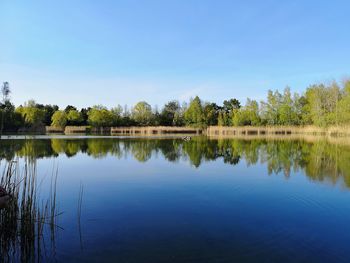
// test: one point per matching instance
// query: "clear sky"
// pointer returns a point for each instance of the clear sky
(119, 52)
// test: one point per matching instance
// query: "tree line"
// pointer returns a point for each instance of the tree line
(321, 104)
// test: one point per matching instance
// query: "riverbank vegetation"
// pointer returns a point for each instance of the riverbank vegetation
(28, 223)
(320, 105)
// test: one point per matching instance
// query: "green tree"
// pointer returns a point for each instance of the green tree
(231, 105)
(100, 116)
(117, 113)
(194, 114)
(169, 112)
(344, 104)
(287, 111)
(221, 120)
(142, 113)
(323, 103)
(210, 112)
(247, 115)
(271, 108)
(59, 119)
(32, 115)
(74, 117)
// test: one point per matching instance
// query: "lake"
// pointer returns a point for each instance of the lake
(202, 200)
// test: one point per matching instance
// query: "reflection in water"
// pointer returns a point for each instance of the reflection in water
(319, 160)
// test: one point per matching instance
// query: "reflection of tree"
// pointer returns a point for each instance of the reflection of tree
(170, 149)
(9, 148)
(142, 150)
(36, 149)
(319, 160)
(99, 148)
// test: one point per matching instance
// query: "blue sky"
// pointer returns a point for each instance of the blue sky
(120, 52)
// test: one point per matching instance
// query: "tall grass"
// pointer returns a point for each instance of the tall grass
(28, 222)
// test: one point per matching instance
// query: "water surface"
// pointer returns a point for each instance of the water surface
(204, 200)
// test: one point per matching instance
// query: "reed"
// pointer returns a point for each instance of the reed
(24, 221)
(278, 130)
(154, 130)
(77, 129)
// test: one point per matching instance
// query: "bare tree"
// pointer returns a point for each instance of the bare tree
(5, 91)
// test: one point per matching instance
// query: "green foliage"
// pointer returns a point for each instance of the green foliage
(231, 105)
(59, 119)
(210, 112)
(32, 115)
(142, 113)
(221, 120)
(74, 117)
(344, 105)
(194, 115)
(323, 104)
(9, 119)
(170, 113)
(100, 116)
(247, 115)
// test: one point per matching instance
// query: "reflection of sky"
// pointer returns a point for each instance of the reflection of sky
(159, 210)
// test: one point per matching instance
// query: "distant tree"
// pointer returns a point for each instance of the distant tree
(194, 114)
(59, 119)
(32, 115)
(169, 112)
(287, 113)
(74, 117)
(210, 112)
(230, 105)
(156, 117)
(69, 108)
(49, 110)
(100, 116)
(323, 103)
(247, 115)
(117, 115)
(221, 120)
(84, 114)
(5, 91)
(271, 108)
(142, 113)
(344, 104)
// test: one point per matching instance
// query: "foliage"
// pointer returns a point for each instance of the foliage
(170, 113)
(74, 117)
(31, 114)
(100, 116)
(59, 119)
(321, 104)
(194, 115)
(142, 113)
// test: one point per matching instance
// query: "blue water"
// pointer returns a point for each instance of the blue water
(157, 210)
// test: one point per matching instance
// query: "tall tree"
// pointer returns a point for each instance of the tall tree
(142, 113)
(210, 113)
(194, 114)
(59, 119)
(170, 110)
(100, 116)
(74, 117)
(32, 115)
(5, 91)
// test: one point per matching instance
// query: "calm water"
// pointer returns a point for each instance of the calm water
(167, 200)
